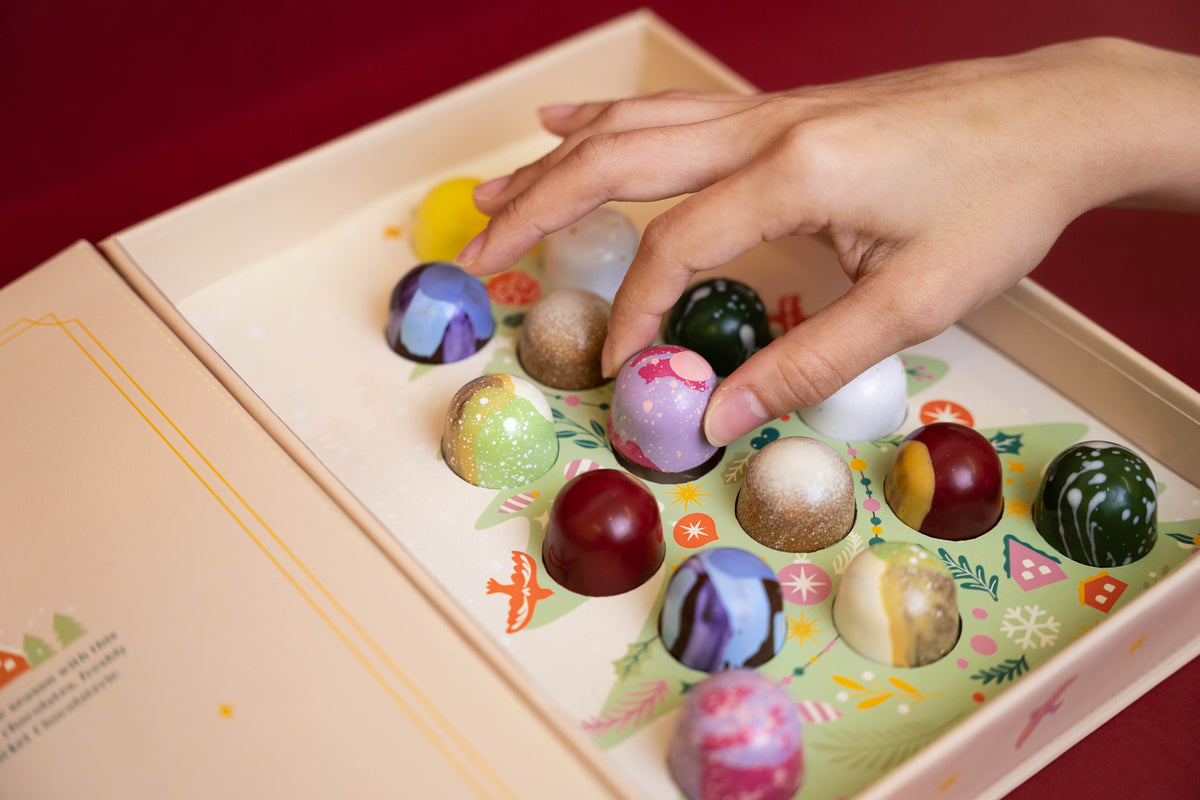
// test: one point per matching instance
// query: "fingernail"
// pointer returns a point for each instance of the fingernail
(606, 365)
(737, 414)
(489, 189)
(558, 110)
(468, 254)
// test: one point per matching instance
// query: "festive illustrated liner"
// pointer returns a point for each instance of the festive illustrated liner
(300, 320)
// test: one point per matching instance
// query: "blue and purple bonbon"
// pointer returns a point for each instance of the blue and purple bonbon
(439, 314)
(723, 609)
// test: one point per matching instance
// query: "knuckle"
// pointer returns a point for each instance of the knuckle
(596, 150)
(816, 152)
(660, 243)
(806, 377)
(594, 158)
(619, 113)
(919, 324)
(661, 269)
(536, 168)
(518, 211)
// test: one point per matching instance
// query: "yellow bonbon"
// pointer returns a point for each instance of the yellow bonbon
(446, 220)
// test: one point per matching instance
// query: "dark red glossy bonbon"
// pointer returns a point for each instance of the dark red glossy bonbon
(946, 482)
(604, 536)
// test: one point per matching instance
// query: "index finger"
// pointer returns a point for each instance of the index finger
(709, 229)
(640, 165)
(576, 123)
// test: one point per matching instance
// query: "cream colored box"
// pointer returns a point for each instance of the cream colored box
(248, 574)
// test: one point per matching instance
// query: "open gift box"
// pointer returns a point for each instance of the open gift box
(232, 452)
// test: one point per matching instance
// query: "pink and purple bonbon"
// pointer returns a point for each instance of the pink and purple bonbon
(738, 736)
(656, 419)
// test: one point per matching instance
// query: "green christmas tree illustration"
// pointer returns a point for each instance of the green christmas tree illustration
(67, 629)
(36, 650)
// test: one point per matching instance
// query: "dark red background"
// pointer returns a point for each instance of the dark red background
(111, 112)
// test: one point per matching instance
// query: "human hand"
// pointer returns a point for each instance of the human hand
(937, 187)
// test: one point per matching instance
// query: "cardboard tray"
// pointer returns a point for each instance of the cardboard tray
(301, 254)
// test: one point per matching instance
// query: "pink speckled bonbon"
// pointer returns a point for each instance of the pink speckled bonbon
(738, 736)
(657, 412)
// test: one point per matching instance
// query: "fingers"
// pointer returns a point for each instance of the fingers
(760, 202)
(887, 311)
(566, 118)
(576, 123)
(640, 165)
(664, 108)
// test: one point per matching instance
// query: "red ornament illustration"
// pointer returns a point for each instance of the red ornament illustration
(514, 288)
(945, 411)
(695, 530)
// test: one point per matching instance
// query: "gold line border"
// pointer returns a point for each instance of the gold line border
(25, 324)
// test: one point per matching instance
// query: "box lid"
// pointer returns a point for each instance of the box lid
(186, 611)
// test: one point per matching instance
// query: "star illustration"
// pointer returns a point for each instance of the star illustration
(694, 530)
(1137, 645)
(948, 783)
(1016, 507)
(803, 629)
(945, 414)
(687, 493)
(1083, 629)
(801, 582)
(1007, 442)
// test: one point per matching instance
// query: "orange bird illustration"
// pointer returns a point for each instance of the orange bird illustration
(523, 593)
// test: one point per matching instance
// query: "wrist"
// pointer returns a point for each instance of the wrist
(1138, 140)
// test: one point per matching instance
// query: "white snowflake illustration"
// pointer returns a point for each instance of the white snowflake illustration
(1025, 626)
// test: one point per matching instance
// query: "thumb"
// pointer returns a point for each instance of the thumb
(883, 313)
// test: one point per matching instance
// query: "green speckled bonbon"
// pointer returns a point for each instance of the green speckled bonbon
(1098, 505)
(499, 432)
(721, 319)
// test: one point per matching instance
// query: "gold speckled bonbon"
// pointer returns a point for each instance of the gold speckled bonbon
(897, 605)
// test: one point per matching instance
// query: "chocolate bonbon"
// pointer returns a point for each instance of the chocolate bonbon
(739, 735)
(946, 482)
(1098, 504)
(655, 422)
(499, 432)
(798, 496)
(723, 609)
(446, 219)
(604, 535)
(561, 339)
(721, 319)
(594, 253)
(897, 605)
(439, 314)
(870, 407)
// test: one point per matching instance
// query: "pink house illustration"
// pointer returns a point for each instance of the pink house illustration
(12, 664)
(1101, 591)
(1028, 566)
